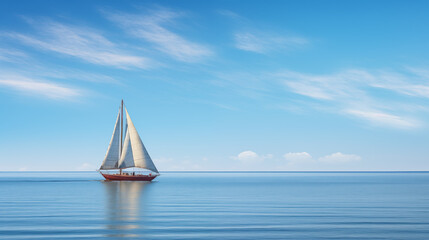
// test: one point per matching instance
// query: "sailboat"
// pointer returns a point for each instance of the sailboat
(124, 154)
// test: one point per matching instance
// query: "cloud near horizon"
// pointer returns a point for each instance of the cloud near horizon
(250, 156)
(296, 158)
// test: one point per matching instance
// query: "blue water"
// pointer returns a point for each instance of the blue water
(79, 205)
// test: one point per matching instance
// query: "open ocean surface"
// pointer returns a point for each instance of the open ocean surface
(217, 205)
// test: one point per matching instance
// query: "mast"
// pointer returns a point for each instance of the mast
(122, 121)
(122, 129)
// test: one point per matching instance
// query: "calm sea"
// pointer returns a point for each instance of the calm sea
(221, 205)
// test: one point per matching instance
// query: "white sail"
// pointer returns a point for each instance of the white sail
(134, 152)
(127, 159)
(112, 155)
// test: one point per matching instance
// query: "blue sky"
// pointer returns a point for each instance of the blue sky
(217, 85)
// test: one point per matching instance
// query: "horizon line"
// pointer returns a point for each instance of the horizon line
(245, 171)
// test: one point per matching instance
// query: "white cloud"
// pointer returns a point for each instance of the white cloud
(297, 156)
(152, 28)
(39, 87)
(250, 156)
(247, 156)
(337, 158)
(265, 42)
(83, 43)
(299, 160)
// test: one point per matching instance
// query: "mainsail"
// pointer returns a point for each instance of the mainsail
(112, 155)
(133, 152)
(126, 160)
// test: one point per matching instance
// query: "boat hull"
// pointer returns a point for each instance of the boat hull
(117, 177)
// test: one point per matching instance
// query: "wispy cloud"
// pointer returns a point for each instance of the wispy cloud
(38, 87)
(416, 85)
(10, 55)
(384, 118)
(355, 93)
(32, 77)
(325, 87)
(248, 36)
(152, 27)
(230, 14)
(80, 42)
(73, 75)
(264, 42)
(381, 98)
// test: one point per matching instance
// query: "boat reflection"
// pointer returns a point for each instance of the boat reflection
(123, 207)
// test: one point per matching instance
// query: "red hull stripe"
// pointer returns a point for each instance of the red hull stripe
(114, 177)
